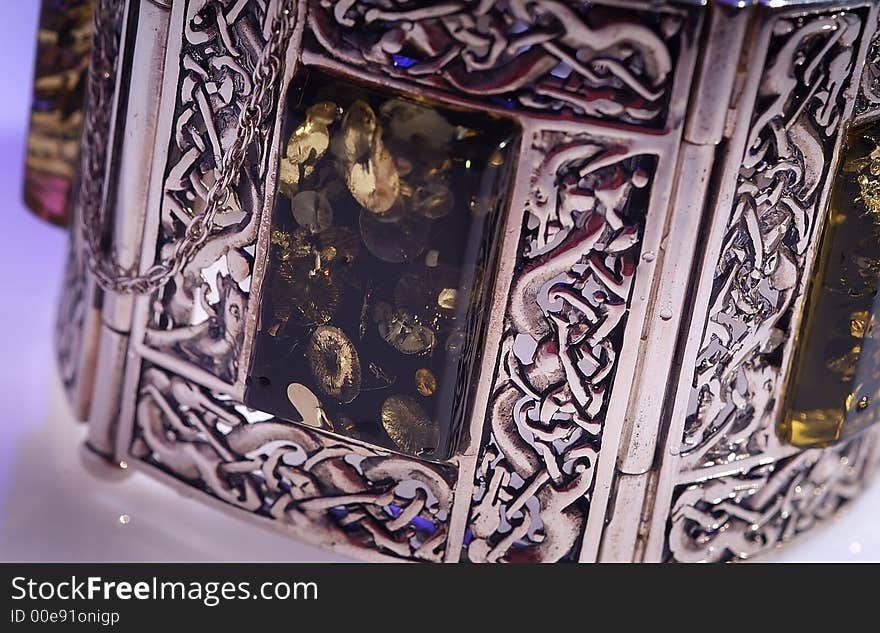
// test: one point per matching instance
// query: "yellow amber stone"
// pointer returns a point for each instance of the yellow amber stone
(835, 377)
(64, 46)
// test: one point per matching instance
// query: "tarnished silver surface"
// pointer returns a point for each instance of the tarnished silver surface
(78, 323)
(653, 259)
(563, 333)
(331, 491)
(738, 516)
(779, 197)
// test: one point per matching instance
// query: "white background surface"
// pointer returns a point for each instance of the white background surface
(51, 509)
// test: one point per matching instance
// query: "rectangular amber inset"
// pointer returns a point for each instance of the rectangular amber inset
(833, 392)
(64, 46)
(374, 296)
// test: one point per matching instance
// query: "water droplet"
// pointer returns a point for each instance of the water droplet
(123, 465)
(124, 519)
(665, 314)
(649, 256)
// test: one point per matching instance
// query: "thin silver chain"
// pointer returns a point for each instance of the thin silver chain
(106, 269)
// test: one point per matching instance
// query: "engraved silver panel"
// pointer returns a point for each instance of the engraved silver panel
(777, 206)
(546, 57)
(740, 516)
(320, 487)
(563, 331)
(78, 321)
(200, 317)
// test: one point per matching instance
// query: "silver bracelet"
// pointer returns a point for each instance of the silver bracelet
(483, 281)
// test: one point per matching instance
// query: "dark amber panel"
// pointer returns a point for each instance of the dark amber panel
(374, 296)
(834, 392)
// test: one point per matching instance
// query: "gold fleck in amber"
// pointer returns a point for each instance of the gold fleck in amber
(306, 146)
(402, 331)
(835, 373)
(311, 139)
(408, 425)
(426, 383)
(446, 298)
(335, 364)
(433, 200)
(311, 210)
(417, 125)
(288, 178)
(374, 182)
(359, 131)
(455, 342)
(308, 405)
(870, 192)
(299, 293)
(308, 143)
(323, 113)
(394, 242)
(339, 244)
(858, 323)
(345, 425)
(844, 364)
(439, 168)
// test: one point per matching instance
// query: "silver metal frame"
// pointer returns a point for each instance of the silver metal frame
(605, 459)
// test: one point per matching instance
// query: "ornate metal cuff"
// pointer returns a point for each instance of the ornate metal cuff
(488, 281)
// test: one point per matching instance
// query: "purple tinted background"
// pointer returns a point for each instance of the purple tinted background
(50, 507)
(31, 252)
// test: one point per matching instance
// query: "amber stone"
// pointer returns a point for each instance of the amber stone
(382, 249)
(63, 49)
(834, 392)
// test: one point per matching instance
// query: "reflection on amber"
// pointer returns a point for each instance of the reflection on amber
(836, 371)
(375, 286)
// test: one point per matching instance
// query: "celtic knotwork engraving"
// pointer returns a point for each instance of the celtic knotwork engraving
(302, 478)
(564, 330)
(869, 88)
(70, 318)
(739, 516)
(780, 188)
(544, 56)
(200, 315)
